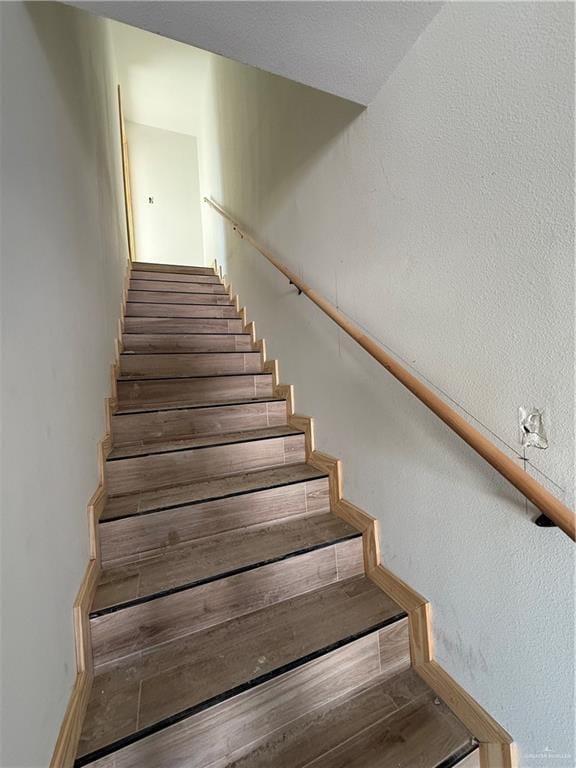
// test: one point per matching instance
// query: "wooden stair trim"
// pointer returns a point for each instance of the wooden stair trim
(68, 737)
(497, 748)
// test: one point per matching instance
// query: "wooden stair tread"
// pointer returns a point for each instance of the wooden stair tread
(151, 266)
(393, 722)
(146, 448)
(192, 390)
(152, 533)
(136, 366)
(187, 342)
(205, 311)
(379, 711)
(203, 490)
(172, 286)
(153, 277)
(140, 296)
(213, 556)
(182, 325)
(158, 407)
(175, 679)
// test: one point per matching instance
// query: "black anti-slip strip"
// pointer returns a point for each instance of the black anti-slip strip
(180, 293)
(177, 377)
(185, 714)
(180, 333)
(457, 756)
(188, 293)
(223, 575)
(187, 378)
(184, 333)
(192, 275)
(175, 269)
(193, 502)
(183, 303)
(209, 445)
(181, 317)
(199, 407)
(186, 304)
(197, 352)
(132, 352)
(171, 280)
(177, 282)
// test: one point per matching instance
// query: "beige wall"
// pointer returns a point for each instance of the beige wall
(63, 255)
(440, 218)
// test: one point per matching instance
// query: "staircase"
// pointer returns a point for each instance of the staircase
(233, 624)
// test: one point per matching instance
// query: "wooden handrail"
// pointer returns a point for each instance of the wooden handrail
(546, 502)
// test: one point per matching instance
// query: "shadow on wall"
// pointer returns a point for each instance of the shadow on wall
(263, 165)
(86, 109)
(48, 19)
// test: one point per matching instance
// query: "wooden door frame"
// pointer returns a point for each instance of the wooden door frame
(126, 181)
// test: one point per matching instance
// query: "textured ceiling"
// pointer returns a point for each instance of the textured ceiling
(345, 48)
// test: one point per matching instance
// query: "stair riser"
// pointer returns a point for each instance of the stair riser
(165, 297)
(180, 326)
(206, 342)
(271, 706)
(165, 425)
(143, 626)
(125, 539)
(138, 309)
(177, 287)
(176, 277)
(148, 472)
(150, 269)
(202, 390)
(141, 366)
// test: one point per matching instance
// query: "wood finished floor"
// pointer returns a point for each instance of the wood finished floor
(233, 624)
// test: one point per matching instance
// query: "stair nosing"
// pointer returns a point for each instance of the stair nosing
(223, 575)
(206, 376)
(180, 333)
(224, 404)
(237, 316)
(321, 475)
(185, 293)
(181, 303)
(164, 723)
(136, 266)
(293, 433)
(176, 282)
(209, 333)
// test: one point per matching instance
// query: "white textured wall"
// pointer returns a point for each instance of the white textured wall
(164, 166)
(441, 219)
(63, 258)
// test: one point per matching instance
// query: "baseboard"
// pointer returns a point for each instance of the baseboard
(69, 734)
(497, 749)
